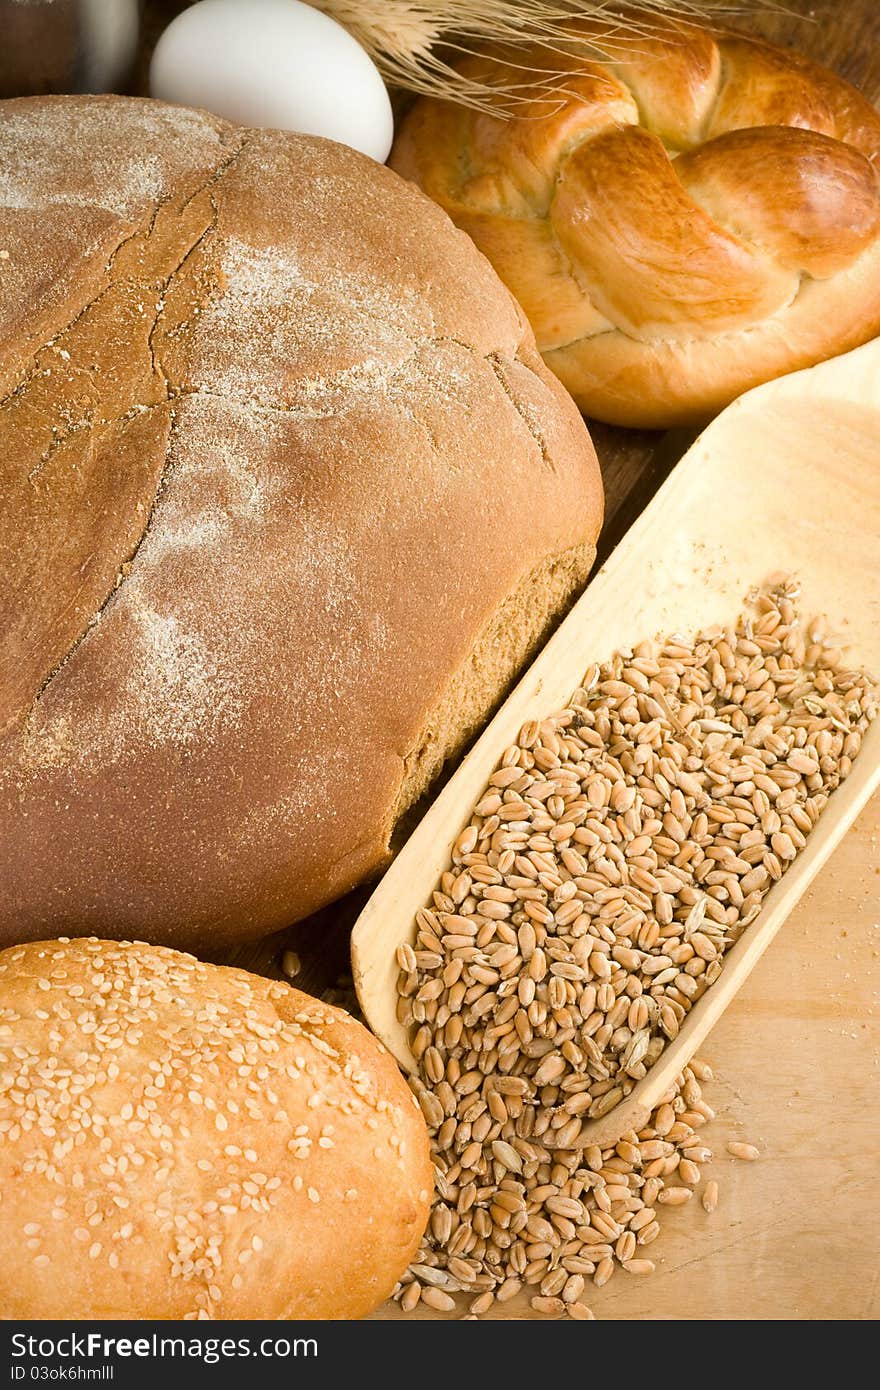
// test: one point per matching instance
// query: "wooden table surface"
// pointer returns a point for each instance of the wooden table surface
(796, 1057)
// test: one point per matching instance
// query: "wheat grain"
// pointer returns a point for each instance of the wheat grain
(748, 1152)
(290, 964)
(437, 1299)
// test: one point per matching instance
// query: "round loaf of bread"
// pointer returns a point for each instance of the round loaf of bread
(692, 217)
(181, 1140)
(287, 496)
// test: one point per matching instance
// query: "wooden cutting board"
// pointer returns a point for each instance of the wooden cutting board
(797, 1055)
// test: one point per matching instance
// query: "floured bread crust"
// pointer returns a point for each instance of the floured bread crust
(276, 447)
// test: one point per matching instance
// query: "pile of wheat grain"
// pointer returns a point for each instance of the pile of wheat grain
(618, 851)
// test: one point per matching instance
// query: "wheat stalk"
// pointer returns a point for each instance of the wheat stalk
(414, 42)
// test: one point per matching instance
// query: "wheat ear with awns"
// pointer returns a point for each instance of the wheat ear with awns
(415, 44)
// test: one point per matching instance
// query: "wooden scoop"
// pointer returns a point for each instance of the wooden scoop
(786, 479)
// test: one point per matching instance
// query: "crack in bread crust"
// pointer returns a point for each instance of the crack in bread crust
(143, 233)
(144, 230)
(174, 393)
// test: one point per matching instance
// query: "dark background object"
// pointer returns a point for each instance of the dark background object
(67, 45)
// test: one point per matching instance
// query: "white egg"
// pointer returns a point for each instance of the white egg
(274, 63)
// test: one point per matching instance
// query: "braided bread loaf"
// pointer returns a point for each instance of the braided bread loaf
(698, 215)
